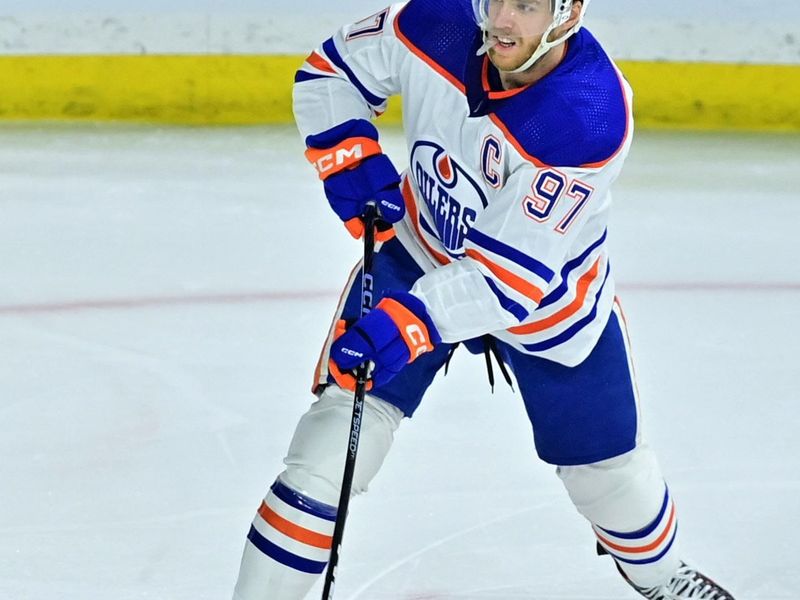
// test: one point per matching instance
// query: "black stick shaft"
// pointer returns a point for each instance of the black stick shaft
(362, 374)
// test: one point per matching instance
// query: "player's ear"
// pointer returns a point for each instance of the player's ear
(577, 6)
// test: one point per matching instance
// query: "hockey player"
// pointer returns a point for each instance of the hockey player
(517, 124)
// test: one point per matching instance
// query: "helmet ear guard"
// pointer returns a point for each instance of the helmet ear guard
(562, 12)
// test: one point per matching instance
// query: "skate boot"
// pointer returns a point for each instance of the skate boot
(686, 583)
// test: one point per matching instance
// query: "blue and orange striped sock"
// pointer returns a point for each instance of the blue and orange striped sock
(287, 547)
(647, 556)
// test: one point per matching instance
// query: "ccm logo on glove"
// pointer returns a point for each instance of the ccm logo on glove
(416, 339)
(354, 172)
(347, 154)
(352, 353)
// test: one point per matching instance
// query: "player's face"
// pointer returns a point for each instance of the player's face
(516, 27)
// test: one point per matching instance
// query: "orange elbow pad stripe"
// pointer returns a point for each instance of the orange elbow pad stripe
(582, 289)
(526, 288)
(412, 328)
(346, 155)
(316, 61)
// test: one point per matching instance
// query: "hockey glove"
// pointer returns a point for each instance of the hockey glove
(354, 171)
(393, 334)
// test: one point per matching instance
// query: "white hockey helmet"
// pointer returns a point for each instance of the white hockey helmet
(561, 9)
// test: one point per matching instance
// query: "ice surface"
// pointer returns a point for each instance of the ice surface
(163, 296)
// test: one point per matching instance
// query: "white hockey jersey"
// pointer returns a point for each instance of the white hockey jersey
(507, 192)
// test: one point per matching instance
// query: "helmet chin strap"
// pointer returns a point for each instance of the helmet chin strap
(544, 46)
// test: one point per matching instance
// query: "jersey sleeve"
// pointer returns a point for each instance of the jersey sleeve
(351, 75)
(515, 249)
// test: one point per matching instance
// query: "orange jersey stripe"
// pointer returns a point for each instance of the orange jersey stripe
(595, 165)
(618, 304)
(422, 56)
(514, 142)
(411, 206)
(289, 529)
(332, 330)
(641, 549)
(498, 95)
(565, 313)
(495, 95)
(526, 288)
(316, 61)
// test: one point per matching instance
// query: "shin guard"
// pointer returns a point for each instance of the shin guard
(631, 511)
(287, 547)
(289, 542)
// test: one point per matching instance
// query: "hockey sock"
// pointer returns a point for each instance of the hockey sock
(287, 547)
(631, 512)
(289, 542)
(644, 555)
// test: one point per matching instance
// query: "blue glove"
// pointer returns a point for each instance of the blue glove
(355, 171)
(393, 334)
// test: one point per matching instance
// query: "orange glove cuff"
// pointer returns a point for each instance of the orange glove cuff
(413, 329)
(345, 380)
(355, 227)
(345, 155)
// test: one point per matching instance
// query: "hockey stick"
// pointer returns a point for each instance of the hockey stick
(370, 217)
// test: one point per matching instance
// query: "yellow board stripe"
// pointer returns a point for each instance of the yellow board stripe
(185, 89)
(246, 89)
(715, 96)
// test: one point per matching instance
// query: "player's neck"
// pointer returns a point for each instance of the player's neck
(540, 68)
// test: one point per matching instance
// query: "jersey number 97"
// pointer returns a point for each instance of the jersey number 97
(547, 190)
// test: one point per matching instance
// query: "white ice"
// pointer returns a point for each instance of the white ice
(163, 297)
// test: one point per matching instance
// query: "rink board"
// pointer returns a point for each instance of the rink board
(256, 89)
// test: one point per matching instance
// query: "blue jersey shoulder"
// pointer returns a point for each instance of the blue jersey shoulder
(442, 30)
(577, 115)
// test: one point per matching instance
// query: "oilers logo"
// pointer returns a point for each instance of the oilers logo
(451, 195)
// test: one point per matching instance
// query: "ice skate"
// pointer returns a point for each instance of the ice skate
(686, 583)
